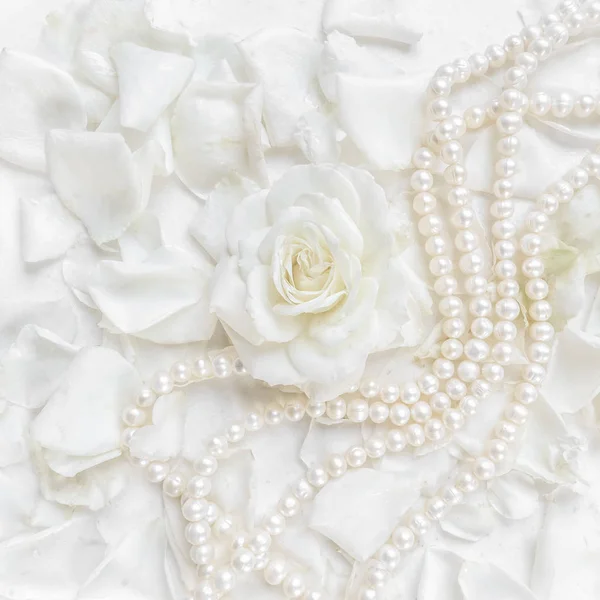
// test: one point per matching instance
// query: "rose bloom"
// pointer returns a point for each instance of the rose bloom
(313, 283)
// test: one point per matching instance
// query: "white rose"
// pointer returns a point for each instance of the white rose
(311, 286)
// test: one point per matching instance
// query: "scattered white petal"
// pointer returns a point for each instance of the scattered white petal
(149, 81)
(14, 434)
(82, 418)
(317, 137)
(372, 19)
(323, 440)
(514, 495)
(284, 61)
(212, 132)
(379, 498)
(164, 299)
(381, 116)
(468, 522)
(35, 365)
(98, 179)
(481, 581)
(48, 230)
(439, 576)
(143, 237)
(51, 564)
(35, 97)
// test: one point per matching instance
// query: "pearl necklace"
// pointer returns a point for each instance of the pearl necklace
(473, 353)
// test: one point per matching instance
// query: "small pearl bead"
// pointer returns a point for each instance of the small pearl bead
(420, 524)
(476, 350)
(423, 158)
(479, 64)
(424, 203)
(496, 55)
(516, 413)
(531, 244)
(377, 575)
(467, 371)
(451, 349)
(212, 512)
(242, 561)
(508, 288)
(434, 430)
(194, 509)
(505, 331)
(379, 412)
(202, 368)
(467, 482)
(197, 533)
(317, 476)
(508, 146)
(510, 123)
(453, 419)
(577, 178)
(443, 368)
(421, 180)
(562, 105)
(336, 409)
(591, 163)
(453, 328)
(526, 393)
(539, 352)
(273, 414)
(439, 402)
(476, 285)
(356, 456)
(140, 463)
(174, 485)
(146, 397)
(289, 506)
(502, 353)
(254, 421)
(452, 152)
(540, 310)
(428, 384)
(403, 538)
(584, 106)
(456, 389)
(367, 593)
(439, 108)
(415, 435)
(223, 527)
(440, 265)
(463, 217)
(533, 267)
(468, 405)
(466, 241)
(218, 446)
(157, 471)
(205, 591)
(199, 487)
(225, 580)
(506, 431)
(316, 409)
(399, 414)
(358, 410)
(206, 466)
(222, 366)
(541, 331)
(493, 372)
(303, 490)
(276, 570)
(480, 389)
(430, 225)
(536, 289)
(235, 433)
(496, 450)
(484, 469)
(294, 586)
(411, 392)
(133, 416)
(395, 440)
(451, 495)
(390, 393)
(369, 389)
(504, 249)
(435, 246)
(336, 465)
(375, 446)
(527, 61)
(389, 556)
(435, 508)
(534, 373)
(294, 411)
(482, 327)
(508, 309)
(421, 412)
(274, 523)
(181, 373)
(458, 196)
(162, 383)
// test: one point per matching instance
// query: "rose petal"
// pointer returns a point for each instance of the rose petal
(47, 229)
(96, 177)
(371, 20)
(82, 417)
(468, 522)
(164, 299)
(284, 61)
(149, 81)
(439, 576)
(381, 116)
(317, 137)
(14, 434)
(480, 581)
(380, 498)
(35, 365)
(514, 495)
(142, 239)
(212, 131)
(51, 564)
(35, 97)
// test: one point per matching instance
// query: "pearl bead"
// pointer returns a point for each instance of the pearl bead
(503, 208)
(377, 575)
(480, 389)
(504, 249)
(420, 524)
(157, 471)
(356, 456)
(453, 328)
(225, 580)
(316, 409)
(294, 586)
(508, 288)
(514, 45)
(536, 289)
(235, 433)
(146, 397)
(504, 229)
(508, 309)
(527, 61)
(525, 392)
(516, 413)
(415, 435)
(533, 267)
(531, 244)
(508, 146)
(463, 217)
(440, 265)
(395, 440)
(562, 105)
(468, 405)
(435, 246)
(466, 241)
(430, 225)
(162, 383)
(424, 203)
(199, 487)
(367, 593)
(516, 77)
(479, 64)
(440, 86)
(358, 410)
(428, 384)
(496, 55)
(456, 389)
(274, 523)
(276, 570)
(434, 430)
(539, 352)
(218, 446)
(403, 538)
(445, 285)
(453, 419)
(254, 421)
(336, 465)
(451, 349)
(212, 512)
(584, 106)
(421, 412)
(174, 485)
(505, 331)
(423, 158)
(467, 482)
(591, 163)
(482, 327)
(399, 414)
(505, 269)
(541, 331)
(133, 416)
(273, 414)
(439, 108)
(390, 393)
(389, 556)
(302, 490)
(476, 350)
(205, 591)
(411, 392)
(294, 411)
(493, 372)
(289, 506)
(379, 412)
(206, 466)
(510, 123)
(471, 263)
(484, 469)
(181, 373)
(467, 371)
(197, 533)
(476, 285)
(141, 463)
(202, 368)
(577, 178)
(502, 353)
(458, 196)
(421, 180)
(506, 431)
(194, 509)
(242, 561)
(540, 310)
(443, 368)
(375, 446)
(223, 526)
(496, 450)
(439, 402)
(317, 476)
(336, 409)
(435, 508)
(451, 495)
(369, 389)
(506, 167)
(452, 152)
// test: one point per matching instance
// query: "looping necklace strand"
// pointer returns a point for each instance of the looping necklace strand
(478, 327)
